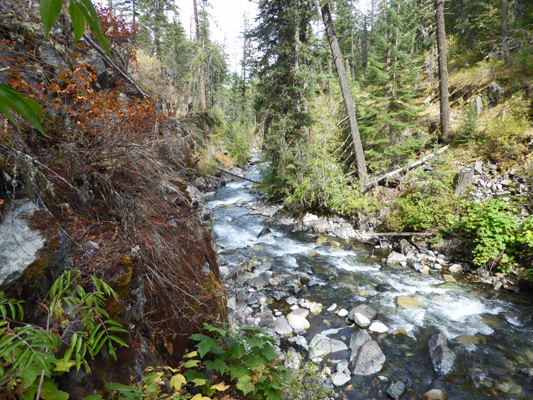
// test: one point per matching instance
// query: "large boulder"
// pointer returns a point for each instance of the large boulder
(362, 315)
(19, 243)
(442, 357)
(367, 357)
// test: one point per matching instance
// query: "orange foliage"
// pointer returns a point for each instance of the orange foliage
(118, 31)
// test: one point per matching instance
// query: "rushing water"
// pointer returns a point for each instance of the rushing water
(490, 332)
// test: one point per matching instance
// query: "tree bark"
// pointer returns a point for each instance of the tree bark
(200, 45)
(443, 74)
(346, 92)
(505, 8)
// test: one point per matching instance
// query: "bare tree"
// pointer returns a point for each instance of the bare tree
(443, 73)
(346, 92)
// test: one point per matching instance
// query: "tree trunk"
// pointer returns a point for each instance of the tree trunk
(346, 93)
(443, 73)
(365, 46)
(200, 45)
(505, 7)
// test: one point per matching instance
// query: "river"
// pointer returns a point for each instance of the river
(490, 332)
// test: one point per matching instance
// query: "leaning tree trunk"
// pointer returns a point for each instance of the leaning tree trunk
(346, 93)
(443, 74)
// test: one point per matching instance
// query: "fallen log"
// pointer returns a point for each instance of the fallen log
(229, 173)
(376, 181)
(400, 234)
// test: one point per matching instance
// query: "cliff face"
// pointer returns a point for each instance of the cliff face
(108, 187)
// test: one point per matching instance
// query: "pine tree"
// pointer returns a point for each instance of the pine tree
(390, 110)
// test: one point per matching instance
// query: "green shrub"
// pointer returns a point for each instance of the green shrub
(523, 61)
(78, 326)
(245, 360)
(469, 127)
(493, 224)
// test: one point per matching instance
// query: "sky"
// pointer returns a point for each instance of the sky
(227, 24)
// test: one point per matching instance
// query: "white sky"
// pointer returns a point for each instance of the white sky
(227, 23)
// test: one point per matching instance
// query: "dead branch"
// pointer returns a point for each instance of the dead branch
(376, 181)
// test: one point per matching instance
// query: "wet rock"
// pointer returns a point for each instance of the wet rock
(467, 340)
(316, 308)
(320, 346)
(442, 357)
(405, 247)
(265, 231)
(396, 258)
(297, 319)
(300, 342)
(368, 359)
(19, 244)
(260, 282)
(384, 287)
(282, 327)
(340, 379)
(527, 373)
(378, 327)
(342, 313)
(332, 307)
(408, 302)
(337, 345)
(448, 278)
(362, 315)
(434, 394)
(343, 366)
(266, 319)
(396, 390)
(455, 269)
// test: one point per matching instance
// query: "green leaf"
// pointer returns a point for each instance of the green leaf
(177, 381)
(216, 365)
(191, 354)
(245, 384)
(117, 340)
(29, 375)
(50, 10)
(91, 16)
(93, 397)
(112, 351)
(51, 392)
(199, 381)
(27, 108)
(78, 22)
(191, 363)
(206, 345)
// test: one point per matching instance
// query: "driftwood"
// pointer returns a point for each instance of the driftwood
(114, 66)
(388, 175)
(401, 234)
(229, 173)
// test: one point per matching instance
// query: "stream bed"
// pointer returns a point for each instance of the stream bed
(490, 332)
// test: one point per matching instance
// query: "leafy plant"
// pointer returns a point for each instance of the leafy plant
(247, 361)
(77, 323)
(164, 383)
(494, 227)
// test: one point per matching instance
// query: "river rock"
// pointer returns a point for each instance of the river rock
(340, 379)
(265, 231)
(260, 282)
(434, 394)
(343, 366)
(448, 278)
(455, 269)
(19, 244)
(408, 302)
(396, 390)
(321, 347)
(442, 357)
(316, 308)
(396, 258)
(282, 327)
(337, 345)
(292, 360)
(369, 359)
(342, 313)
(362, 315)
(378, 327)
(297, 319)
(300, 342)
(266, 319)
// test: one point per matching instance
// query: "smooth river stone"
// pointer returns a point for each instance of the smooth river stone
(408, 302)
